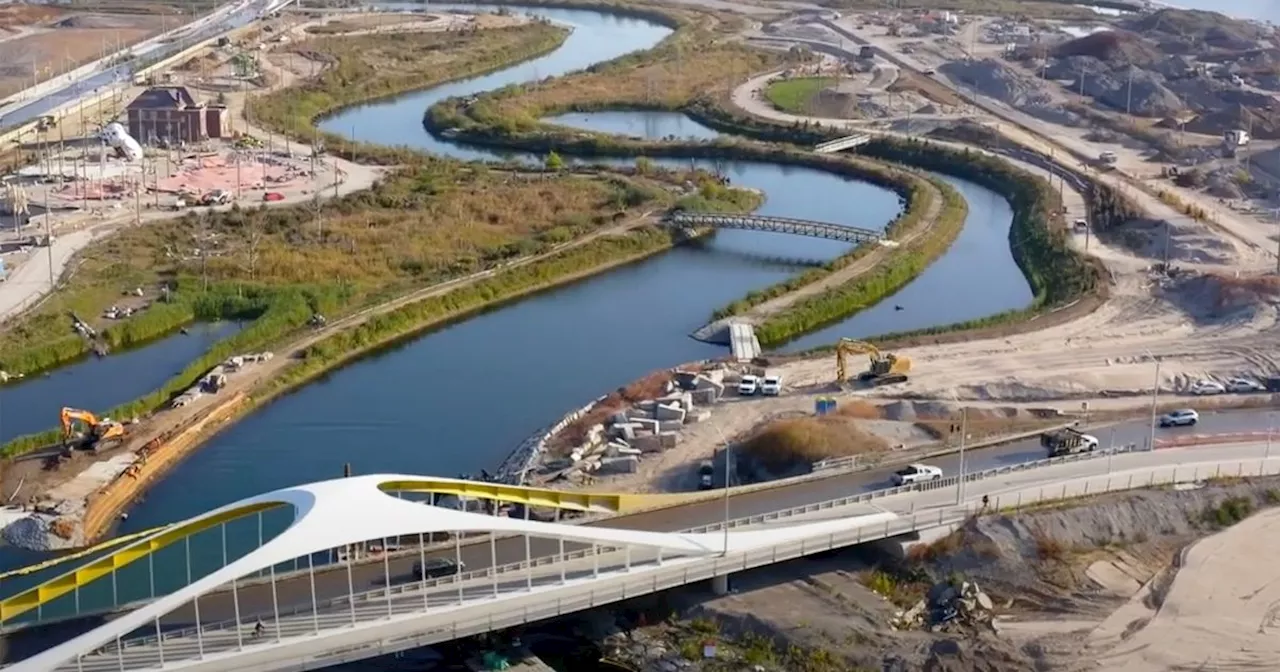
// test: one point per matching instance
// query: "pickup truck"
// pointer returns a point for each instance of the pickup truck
(1068, 441)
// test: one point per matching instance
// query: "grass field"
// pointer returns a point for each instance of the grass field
(795, 95)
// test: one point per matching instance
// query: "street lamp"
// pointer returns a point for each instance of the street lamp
(1155, 396)
(964, 432)
(728, 465)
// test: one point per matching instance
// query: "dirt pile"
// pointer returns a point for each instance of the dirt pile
(1191, 31)
(1046, 559)
(993, 78)
(1216, 299)
(791, 445)
(1111, 46)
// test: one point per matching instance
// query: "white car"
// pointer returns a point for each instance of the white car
(748, 386)
(916, 473)
(1244, 385)
(1206, 387)
(1182, 418)
(771, 386)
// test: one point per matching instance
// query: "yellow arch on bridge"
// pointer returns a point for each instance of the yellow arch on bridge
(592, 502)
(34, 597)
(58, 586)
(110, 543)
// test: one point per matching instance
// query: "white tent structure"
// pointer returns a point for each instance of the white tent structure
(115, 135)
(336, 513)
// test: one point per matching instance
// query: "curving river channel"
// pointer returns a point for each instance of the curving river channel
(460, 398)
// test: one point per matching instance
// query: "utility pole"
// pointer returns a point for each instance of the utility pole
(1128, 100)
(1155, 396)
(48, 233)
(964, 432)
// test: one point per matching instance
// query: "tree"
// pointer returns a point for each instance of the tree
(554, 162)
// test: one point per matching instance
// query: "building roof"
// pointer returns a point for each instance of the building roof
(163, 98)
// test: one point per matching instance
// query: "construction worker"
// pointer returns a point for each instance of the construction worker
(986, 501)
(258, 629)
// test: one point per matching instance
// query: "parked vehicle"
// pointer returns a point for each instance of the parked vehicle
(771, 386)
(1181, 418)
(1244, 385)
(1207, 387)
(706, 474)
(916, 473)
(749, 385)
(1068, 441)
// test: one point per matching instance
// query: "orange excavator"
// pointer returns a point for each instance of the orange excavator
(96, 434)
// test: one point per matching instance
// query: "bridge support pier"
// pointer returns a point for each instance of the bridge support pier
(720, 584)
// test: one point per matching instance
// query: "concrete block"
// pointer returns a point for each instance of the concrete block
(686, 380)
(714, 375)
(669, 412)
(648, 405)
(706, 397)
(697, 416)
(639, 414)
(619, 417)
(558, 464)
(670, 426)
(669, 439)
(648, 444)
(686, 401)
(625, 431)
(595, 434)
(628, 451)
(626, 464)
(708, 384)
(646, 425)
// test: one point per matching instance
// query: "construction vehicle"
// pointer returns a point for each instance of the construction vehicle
(97, 434)
(1068, 441)
(886, 368)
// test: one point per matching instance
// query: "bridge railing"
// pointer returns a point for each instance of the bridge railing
(620, 585)
(544, 561)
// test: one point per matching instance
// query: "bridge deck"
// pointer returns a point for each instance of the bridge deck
(743, 341)
(800, 227)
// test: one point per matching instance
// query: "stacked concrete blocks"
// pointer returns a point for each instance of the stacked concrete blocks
(650, 426)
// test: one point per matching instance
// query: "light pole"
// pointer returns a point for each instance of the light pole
(1270, 424)
(964, 432)
(728, 464)
(1155, 396)
(1111, 452)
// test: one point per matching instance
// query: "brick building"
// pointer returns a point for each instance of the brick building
(171, 114)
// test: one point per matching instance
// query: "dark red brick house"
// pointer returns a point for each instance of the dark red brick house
(170, 114)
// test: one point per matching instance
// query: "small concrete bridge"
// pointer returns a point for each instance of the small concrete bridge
(841, 144)
(799, 227)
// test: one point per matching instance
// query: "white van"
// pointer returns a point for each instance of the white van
(748, 386)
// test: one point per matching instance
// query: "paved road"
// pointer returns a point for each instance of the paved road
(225, 20)
(329, 584)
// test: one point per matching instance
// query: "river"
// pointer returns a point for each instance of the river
(459, 398)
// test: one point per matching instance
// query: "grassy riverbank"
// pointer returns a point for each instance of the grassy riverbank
(423, 226)
(366, 68)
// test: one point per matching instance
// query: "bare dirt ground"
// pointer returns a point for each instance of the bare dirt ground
(1127, 582)
(57, 43)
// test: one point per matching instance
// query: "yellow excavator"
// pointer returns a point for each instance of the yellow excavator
(886, 368)
(97, 434)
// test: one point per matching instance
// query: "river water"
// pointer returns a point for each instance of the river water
(460, 398)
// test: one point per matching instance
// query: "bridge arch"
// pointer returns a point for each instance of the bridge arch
(337, 513)
(799, 227)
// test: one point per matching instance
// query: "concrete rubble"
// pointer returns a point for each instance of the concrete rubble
(650, 426)
(946, 607)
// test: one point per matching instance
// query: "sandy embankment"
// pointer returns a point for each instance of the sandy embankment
(1222, 611)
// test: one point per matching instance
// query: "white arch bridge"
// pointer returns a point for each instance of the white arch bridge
(288, 627)
(799, 227)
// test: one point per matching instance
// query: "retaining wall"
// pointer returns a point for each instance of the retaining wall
(515, 469)
(104, 506)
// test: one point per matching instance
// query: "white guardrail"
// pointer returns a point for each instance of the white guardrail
(626, 585)
(381, 595)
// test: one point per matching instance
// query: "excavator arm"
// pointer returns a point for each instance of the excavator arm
(70, 416)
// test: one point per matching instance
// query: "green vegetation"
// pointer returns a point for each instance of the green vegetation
(585, 259)
(1228, 512)
(370, 67)
(900, 266)
(795, 95)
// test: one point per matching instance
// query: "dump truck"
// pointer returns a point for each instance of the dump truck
(1068, 441)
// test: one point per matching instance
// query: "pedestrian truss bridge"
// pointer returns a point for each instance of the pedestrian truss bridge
(799, 227)
(274, 607)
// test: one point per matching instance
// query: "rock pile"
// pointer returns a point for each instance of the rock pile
(650, 426)
(947, 607)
